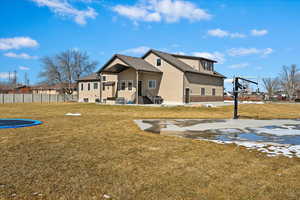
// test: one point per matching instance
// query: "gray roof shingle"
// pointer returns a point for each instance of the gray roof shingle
(134, 62)
(89, 77)
(137, 63)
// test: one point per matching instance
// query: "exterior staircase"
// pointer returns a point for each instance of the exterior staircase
(144, 100)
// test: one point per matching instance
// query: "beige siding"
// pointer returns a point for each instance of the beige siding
(195, 82)
(171, 84)
(91, 94)
(94, 94)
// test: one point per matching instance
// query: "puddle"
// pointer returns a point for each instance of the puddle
(275, 137)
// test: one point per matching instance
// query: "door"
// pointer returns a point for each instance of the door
(187, 95)
(140, 88)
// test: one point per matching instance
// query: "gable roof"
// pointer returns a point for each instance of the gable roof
(134, 62)
(170, 58)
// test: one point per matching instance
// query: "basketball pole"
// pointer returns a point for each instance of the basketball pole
(236, 88)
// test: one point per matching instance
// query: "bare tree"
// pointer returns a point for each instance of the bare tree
(271, 85)
(66, 67)
(290, 80)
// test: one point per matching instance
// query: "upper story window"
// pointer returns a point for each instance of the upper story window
(95, 86)
(207, 65)
(103, 78)
(158, 62)
(81, 86)
(89, 86)
(152, 84)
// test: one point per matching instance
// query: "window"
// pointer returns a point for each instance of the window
(130, 85)
(152, 84)
(202, 91)
(103, 87)
(89, 86)
(81, 86)
(207, 65)
(103, 78)
(213, 92)
(123, 85)
(86, 100)
(158, 62)
(95, 86)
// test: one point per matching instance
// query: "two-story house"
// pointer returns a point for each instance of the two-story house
(175, 79)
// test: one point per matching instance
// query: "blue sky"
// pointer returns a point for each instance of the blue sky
(248, 38)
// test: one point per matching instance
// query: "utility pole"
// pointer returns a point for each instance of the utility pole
(236, 87)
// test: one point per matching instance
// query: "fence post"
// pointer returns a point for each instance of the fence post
(41, 98)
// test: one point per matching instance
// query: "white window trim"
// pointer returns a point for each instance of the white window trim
(149, 84)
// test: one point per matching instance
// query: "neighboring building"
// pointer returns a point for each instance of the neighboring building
(175, 79)
(19, 89)
(53, 89)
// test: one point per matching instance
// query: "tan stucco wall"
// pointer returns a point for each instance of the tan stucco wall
(193, 63)
(171, 84)
(127, 75)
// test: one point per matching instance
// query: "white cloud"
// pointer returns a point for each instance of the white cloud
(228, 80)
(21, 55)
(24, 68)
(256, 32)
(4, 75)
(214, 56)
(222, 33)
(138, 50)
(162, 10)
(63, 8)
(17, 43)
(249, 51)
(239, 66)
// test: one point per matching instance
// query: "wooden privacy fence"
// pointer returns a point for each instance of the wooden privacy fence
(36, 98)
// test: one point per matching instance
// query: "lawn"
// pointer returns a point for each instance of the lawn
(104, 152)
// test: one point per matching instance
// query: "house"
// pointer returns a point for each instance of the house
(157, 75)
(89, 88)
(54, 89)
(18, 89)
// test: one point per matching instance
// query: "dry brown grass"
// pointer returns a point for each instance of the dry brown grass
(104, 152)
